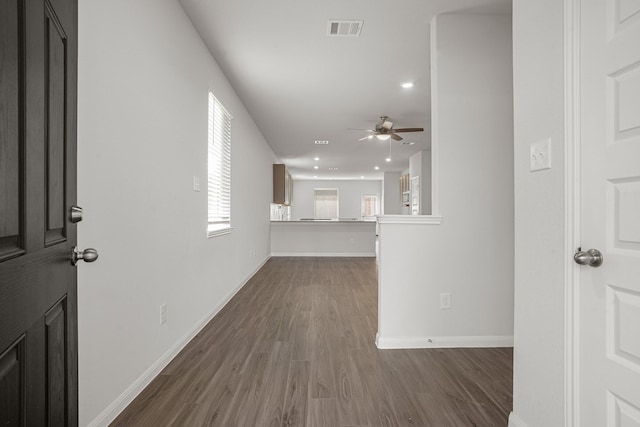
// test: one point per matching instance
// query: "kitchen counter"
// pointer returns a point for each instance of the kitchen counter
(322, 220)
(342, 237)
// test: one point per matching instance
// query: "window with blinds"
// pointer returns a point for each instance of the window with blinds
(325, 203)
(219, 161)
(370, 206)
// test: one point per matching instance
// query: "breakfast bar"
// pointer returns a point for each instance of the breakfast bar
(341, 237)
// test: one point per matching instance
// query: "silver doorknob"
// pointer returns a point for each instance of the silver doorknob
(591, 257)
(88, 255)
(76, 214)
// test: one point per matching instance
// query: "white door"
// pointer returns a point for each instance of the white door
(609, 369)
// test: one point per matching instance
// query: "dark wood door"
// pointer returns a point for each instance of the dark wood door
(38, 316)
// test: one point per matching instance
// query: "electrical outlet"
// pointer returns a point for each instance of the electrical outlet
(445, 301)
(163, 314)
(196, 183)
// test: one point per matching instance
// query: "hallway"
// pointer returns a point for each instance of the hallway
(295, 347)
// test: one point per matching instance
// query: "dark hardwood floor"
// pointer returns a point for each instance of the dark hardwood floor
(295, 347)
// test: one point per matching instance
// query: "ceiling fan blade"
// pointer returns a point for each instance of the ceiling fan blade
(409, 130)
(363, 130)
(396, 137)
(366, 137)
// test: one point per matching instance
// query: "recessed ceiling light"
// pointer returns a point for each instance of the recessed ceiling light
(361, 177)
(376, 167)
(316, 158)
(321, 142)
(388, 159)
(316, 167)
(315, 176)
(407, 85)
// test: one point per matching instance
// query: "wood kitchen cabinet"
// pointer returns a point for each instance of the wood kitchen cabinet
(282, 185)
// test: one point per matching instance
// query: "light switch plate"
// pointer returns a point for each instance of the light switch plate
(540, 155)
(163, 314)
(196, 183)
(445, 301)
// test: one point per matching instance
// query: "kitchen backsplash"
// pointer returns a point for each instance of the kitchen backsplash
(280, 212)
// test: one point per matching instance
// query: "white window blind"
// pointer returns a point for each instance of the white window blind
(325, 201)
(219, 161)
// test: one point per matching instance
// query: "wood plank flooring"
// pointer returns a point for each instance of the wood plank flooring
(295, 347)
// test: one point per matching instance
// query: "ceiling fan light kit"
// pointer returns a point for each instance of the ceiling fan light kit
(384, 130)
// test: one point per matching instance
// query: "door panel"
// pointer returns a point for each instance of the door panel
(625, 13)
(12, 385)
(610, 131)
(624, 317)
(56, 333)
(56, 120)
(624, 196)
(38, 315)
(11, 148)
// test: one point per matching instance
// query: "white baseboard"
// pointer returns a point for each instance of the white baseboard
(127, 396)
(324, 254)
(515, 421)
(443, 342)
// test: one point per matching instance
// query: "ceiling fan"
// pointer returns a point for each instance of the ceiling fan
(384, 130)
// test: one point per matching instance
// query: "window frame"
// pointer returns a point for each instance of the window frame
(315, 210)
(218, 168)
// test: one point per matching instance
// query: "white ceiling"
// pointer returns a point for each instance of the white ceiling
(301, 85)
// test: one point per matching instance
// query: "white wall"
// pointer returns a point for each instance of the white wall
(470, 254)
(539, 205)
(349, 196)
(391, 202)
(144, 75)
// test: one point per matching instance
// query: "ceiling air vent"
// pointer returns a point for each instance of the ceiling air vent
(344, 28)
